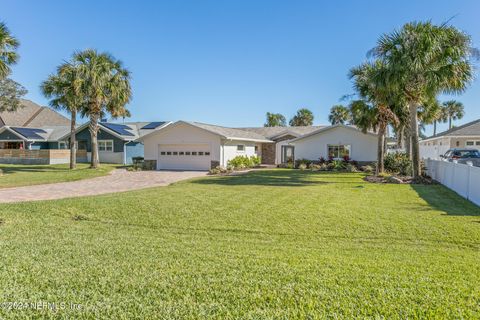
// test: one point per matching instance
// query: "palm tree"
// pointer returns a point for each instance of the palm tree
(375, 111)
(63, 88)
(304, 117)
(430, 112)
(339, 114)
(453, 110)
(105, 87)
(8, 50)
(275, 120)
(424, 60)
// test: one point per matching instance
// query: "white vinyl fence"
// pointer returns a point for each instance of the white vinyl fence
(461, 178)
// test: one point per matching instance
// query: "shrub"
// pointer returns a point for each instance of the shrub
(243, 162)
(219, 170)
(337, 165)
(322, 160)
(367, 169)
(305, 162)
(350, 168)
(302, 166)
(398, 163)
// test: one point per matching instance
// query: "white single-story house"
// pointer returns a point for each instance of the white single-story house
(198, 146)
(464, 136)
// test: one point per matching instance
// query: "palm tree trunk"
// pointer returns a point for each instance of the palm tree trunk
(93, 127)
(380, 149)
(413, 107)
(449, 123)
(73, 147)
(400, 137)
(434, 127)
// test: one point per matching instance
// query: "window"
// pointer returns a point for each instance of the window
(457, 143)
(162, 153)
(256, 149)
(175, 153)
(338, 151)
(472, 143)
(169, 153)
(200, 153)
(105, 145)
(187, 153)
(194, 153)
(181, 153)
(241, 147)
(207, 153)
(62, 145)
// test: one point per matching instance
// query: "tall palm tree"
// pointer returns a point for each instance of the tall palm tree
(369, 81)
(63, 88)
(425, 60)
(105, 87)
(304, 117)
(339, 114)
(454, 110)
(8, 50)
(430, 112)
(275, 120)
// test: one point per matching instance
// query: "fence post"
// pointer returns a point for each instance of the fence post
(469, 168)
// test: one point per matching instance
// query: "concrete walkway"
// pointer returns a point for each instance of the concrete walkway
(118, 181)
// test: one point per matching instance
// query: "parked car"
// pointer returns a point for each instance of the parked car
(462, 156)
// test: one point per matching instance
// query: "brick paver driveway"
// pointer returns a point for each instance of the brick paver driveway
(120, 180)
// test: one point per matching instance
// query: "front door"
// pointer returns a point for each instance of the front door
(288, 153)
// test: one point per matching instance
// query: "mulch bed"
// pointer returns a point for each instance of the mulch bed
(404, 180)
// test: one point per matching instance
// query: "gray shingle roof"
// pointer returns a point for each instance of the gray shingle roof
(270, 132)
(32, 115)
(468, 129)
(231, 133)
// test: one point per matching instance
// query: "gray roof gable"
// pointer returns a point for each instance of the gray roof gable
(468, 129)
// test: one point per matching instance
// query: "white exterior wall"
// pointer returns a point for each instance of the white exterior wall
(229, 150)
(108, 157)
(434, 148)
(181, 134)
(363, 146)
(461, 178)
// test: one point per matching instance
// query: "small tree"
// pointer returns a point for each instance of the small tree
(275, 120)
(339, 114)
(304, 117)
(10, 94)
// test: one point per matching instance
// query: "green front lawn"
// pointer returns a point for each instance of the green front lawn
(277, 244)
(25, 175)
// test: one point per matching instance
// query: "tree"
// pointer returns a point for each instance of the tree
(339, 114)
(424, 60)
(430, 112)
(63, 88)
(105, 88)
(10, 94)
(304, 117)
(453, 110)
(8, 51)
(275, 120)
(376, 109)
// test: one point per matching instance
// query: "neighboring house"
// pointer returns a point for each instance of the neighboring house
(464, 136)
(198, 146)
(31, 115)
(117, 142)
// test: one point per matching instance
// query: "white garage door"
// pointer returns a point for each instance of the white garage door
(184, 157)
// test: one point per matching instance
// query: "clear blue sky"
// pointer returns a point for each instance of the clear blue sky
(224, 62)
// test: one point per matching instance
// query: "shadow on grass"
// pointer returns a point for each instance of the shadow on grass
(279, 178)
(441, 198)
(29, 168)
